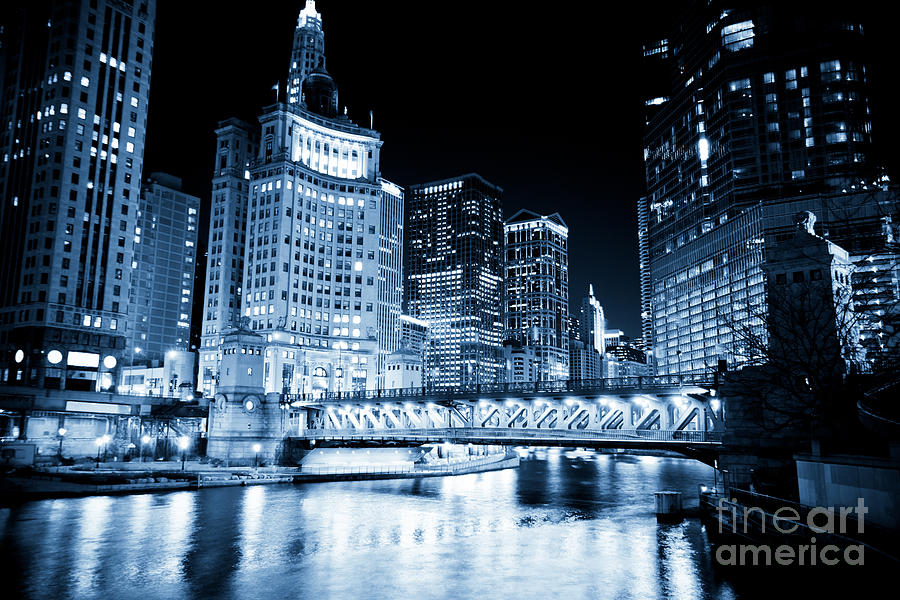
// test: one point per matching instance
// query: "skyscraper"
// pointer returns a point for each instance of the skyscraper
(760, 112)
(162, 283)
(453, 277)
(536, 289)
(75, 78)
(237, 143)
(323, 258)
(592, 323)
(587, 344)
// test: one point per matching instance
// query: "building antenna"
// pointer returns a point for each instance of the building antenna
(371, 119)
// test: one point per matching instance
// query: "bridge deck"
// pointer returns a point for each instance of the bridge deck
(651, 384)
(619, 438)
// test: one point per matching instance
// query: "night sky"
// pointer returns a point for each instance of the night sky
(542, 99)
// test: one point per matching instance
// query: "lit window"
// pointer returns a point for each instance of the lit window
(85, 81)
(737, 36)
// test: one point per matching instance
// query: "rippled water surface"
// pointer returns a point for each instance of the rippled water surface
(564, 525)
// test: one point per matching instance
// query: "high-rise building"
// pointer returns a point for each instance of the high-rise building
(454, 237)
(587, 341)
(760, 112)
(75, 78)
(162, 283)
(536, 289)
(592, 323)
(323, 258)
(237, 142)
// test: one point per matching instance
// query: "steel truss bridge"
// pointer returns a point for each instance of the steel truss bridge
(674, 412)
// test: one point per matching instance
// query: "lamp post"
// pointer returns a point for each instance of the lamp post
(183, 443)
(61, 432)
(256, 449)
(101, 442)
(144, 441)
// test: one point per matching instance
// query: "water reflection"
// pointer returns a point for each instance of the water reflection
(572, 525)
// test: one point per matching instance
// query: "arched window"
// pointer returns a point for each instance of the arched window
(320, 372)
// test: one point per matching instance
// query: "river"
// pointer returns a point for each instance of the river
(563, 525)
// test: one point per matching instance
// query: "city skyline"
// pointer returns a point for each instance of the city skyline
(426, 125)
(426, 133)
(502, 301)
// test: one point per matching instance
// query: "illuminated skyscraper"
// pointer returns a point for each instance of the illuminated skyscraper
(536, 290)
(592, 323)
(760, 112)
(323, 257)
(162, 283)
(453, 277)
(237, 143)
(75, 78)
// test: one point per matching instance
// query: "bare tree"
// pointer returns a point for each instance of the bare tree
(802, 350)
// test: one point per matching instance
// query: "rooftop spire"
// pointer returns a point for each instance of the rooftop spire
(309, 16)
(308, 53)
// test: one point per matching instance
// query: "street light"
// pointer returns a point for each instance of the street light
(61, 432)
(144, 441)
(256, 449)
(183, 443)
(101, 442)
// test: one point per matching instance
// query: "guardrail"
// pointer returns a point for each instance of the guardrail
(481, 433)
(645, 383)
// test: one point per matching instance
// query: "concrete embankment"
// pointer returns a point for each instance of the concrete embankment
(62, 483)
(34, 484)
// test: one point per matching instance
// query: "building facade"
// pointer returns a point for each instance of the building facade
(520, 364)
(623, 356)
(752, 110)
(323, 257)
(237, 143)
(162, 283)
(413, 334)
(454, 238)
(536, 290)
(75, 78)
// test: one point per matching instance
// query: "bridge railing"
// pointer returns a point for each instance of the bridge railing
(636, 382)
(494, 433)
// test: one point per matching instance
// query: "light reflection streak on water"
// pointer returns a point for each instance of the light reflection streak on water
(252, 520)
(179, 518)
(89, 541)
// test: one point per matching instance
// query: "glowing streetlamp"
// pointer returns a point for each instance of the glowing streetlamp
(144, 441)
(256, 449)
(61, 432)
(183, 443)
(101, 442)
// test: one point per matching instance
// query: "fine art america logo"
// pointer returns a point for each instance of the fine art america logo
(787, 521)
